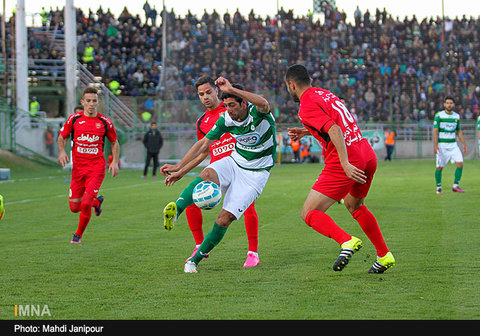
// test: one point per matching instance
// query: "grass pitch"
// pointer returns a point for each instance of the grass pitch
(129, 267)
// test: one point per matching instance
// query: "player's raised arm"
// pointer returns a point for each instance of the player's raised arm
(261, 103)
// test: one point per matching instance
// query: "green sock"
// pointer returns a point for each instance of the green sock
(438, 177)
(458, 175)
(185, 199)
(211, 240)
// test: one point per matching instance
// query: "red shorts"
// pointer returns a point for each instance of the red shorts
(85, 181)
(333, 182)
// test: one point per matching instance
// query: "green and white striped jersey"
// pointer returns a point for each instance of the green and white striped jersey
(448, 125)
(256, 144)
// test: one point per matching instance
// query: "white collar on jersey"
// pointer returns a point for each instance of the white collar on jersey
(229, 122)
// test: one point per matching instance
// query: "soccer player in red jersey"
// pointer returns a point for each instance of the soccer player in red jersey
(350, 164)
(88, 130)
(208, 95)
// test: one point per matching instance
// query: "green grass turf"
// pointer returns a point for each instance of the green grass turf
(129, 267)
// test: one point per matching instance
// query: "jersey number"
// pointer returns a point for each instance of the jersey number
(343, 111)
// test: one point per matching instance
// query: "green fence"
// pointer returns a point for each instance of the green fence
(7, 128)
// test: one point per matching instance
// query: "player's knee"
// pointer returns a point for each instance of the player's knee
(225, 218)
(87, 203)
(352, 203)
(209, 174)
(75, 206)
(304, 215)
(351, 207)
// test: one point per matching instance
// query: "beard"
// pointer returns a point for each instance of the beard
(294, 96)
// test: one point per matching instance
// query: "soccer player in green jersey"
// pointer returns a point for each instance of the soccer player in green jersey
(242, 175)
(446, 128)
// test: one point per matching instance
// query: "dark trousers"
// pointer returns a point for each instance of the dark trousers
(389, 152)
(150, 156)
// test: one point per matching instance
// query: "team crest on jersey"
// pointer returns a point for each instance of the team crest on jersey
(98, 125)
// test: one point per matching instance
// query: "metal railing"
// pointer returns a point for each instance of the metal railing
(114, 107)
(24, 120)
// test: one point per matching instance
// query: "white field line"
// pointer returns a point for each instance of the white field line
(29, 200)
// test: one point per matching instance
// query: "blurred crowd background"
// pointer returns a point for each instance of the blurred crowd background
(386, 68)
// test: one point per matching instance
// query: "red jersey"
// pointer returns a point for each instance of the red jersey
(88, 136)
(220, 148)
(319, 110)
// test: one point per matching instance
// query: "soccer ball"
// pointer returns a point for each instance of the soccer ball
(206, 195)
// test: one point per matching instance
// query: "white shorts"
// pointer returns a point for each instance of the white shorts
(448, 154)
(240, 187)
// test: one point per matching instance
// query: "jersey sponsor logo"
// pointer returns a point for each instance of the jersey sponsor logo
(81, 122)
(88, 138)
(223, 149)
(250, 139)
(87, 150)
(448, 126)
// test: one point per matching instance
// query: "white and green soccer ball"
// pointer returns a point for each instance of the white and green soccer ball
(206, 195)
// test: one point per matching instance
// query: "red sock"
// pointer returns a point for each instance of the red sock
(324, 224)
(195, 221)
(251, 226)
(369, 225)
(85, 213)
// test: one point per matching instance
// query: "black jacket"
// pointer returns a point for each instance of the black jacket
(153, 142)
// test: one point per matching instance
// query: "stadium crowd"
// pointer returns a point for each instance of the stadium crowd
(383, 67)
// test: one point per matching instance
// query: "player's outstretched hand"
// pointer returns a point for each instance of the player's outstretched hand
(172, 178)
(296, 133)
(62, 158)
(354, 173)
(166, 169)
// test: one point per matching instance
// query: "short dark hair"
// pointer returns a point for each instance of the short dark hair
(89, 89)
(78, 107)
(204, 80)
(225, 95)
(299, 74)
(449, 97)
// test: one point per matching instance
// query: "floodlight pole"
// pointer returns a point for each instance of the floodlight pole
(70, 56)
(21, 56)
(164, 46)
(4, 51)
(444, 48)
